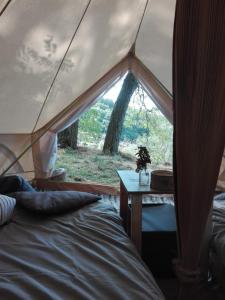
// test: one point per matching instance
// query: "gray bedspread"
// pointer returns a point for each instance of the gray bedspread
(80, 255)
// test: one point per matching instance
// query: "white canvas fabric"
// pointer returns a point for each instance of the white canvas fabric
(155, 40)
(34, 36)
(11, 146)
(3, 4)
(104, 37)
(7, 205)
(54, 51)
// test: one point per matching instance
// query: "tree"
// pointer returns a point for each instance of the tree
(69, 136)
(114, 129)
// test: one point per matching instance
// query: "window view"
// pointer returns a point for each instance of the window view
(107, 136)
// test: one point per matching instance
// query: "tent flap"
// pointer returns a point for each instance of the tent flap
(10, 148)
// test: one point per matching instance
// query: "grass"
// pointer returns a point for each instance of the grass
(87, 164)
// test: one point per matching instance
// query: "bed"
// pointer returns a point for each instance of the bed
(84, 254)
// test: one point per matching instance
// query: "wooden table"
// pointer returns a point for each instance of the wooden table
(129, 186)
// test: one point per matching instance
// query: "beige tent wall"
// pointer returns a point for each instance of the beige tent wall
(105, 36)
(53, 52)
(44, 152)
(34, 36)
(3, 5)
(90, 96)
(10, 148)
(155, 40)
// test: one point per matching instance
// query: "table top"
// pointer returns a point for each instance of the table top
(130, 180)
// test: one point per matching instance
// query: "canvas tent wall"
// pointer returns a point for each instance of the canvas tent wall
(57, 56)
(53, 52)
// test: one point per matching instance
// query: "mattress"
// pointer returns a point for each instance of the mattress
(80, 255)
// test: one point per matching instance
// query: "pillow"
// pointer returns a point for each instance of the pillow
(53, 202)
(10, 184)
(220, 196)
(7, 205)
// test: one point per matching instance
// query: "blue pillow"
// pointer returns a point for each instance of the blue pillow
(220, 196)
(14, 183)
(53, 202)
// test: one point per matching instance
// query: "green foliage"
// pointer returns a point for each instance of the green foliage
(151, 129)
(142, 126)
(89, 124)
(94, 122)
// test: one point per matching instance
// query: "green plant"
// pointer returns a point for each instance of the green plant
(143, 158)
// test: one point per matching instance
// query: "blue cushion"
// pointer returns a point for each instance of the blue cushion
(220, 197)
(53, 202)
(14, 183)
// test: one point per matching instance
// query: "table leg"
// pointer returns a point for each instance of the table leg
(136, 221)
(123, 205)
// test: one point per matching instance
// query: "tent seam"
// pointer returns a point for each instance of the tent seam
(139, 27)
(5, 7)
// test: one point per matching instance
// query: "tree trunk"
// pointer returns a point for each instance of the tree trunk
(114, 129)
(69, 136)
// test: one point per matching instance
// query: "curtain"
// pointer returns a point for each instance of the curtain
(199, 122)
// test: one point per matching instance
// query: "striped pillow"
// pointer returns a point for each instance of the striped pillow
(7, 205)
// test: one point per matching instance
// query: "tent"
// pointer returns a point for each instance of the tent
(57, 57)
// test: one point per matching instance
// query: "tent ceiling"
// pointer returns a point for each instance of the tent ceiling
(35, 36)
(105, 36)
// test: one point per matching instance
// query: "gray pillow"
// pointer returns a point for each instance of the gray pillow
(53, 202)
(220, 196)
(7, 205)
(14, 183)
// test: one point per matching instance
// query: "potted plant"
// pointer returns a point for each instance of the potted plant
(143, 158)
